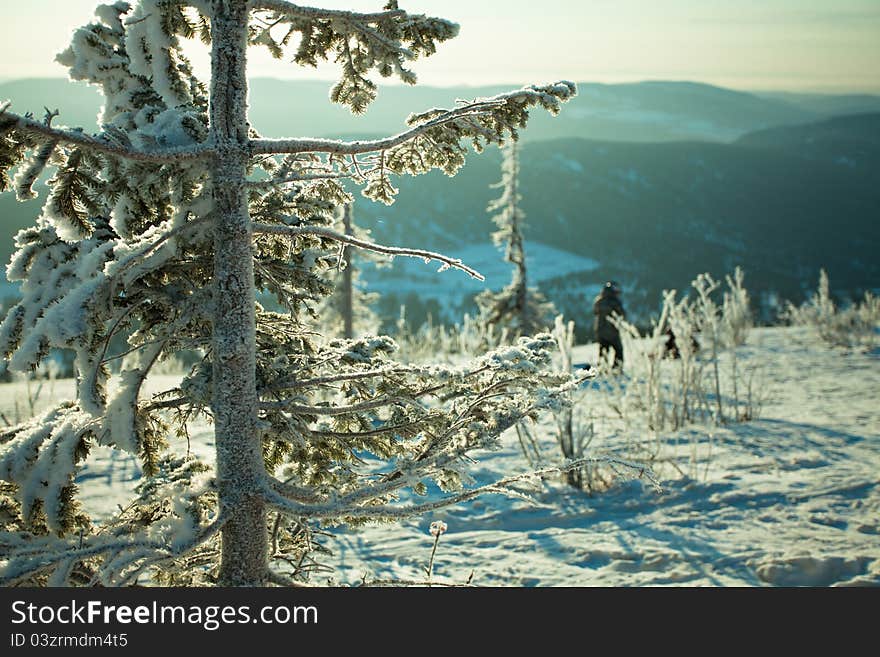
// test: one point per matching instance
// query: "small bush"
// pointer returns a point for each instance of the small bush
(854, 327)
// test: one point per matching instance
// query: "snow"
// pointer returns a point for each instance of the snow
(120, 420)
(110, 14)
(568, 163)
(27, 175)
(152, 52)
(789, 499)
(633, 177)
(166, 128)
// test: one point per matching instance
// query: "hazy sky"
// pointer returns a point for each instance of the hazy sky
(811, 45)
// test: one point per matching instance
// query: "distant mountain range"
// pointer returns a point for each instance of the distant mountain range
(827, 104)
(641, 112)
(649, 183)
(781, 203)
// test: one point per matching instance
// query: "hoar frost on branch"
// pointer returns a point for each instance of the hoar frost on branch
(158, 231)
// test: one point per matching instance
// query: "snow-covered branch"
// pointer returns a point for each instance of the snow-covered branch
(314, 13)
(436, 139)
(394, 370)
(297, 384)
(176, 403)
(394, 429)
(337, 508)
(295, 493)
(172, 155)
(382, 511)
(336, 147)
(306, 177)
(280, 580)
(336, 410)
(320, 231)
(548, 96)
(120, 425)
(359, 42)
(144, 250)
(34, 557)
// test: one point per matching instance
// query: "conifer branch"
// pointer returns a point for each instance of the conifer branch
(292, 492)
(313, 13)
(76, 137)
(386, 400)
(358, 147)
(416, 470)
(349, 506)
(140, 254)
(41, 556)
(131, 350)
(307, 177)
(369, 374)
(383, 511)
(176, 402)
(280, 580)
(333, 411)
(336, 378)
(320, 231)
(359, 435)
(549, 96)
(337, 508)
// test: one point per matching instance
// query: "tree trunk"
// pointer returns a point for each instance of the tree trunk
(347, 279)
(239, 452)
(517, 250)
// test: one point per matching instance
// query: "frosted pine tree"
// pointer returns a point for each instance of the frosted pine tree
(160, 229)
(347, 311)
(521, 309)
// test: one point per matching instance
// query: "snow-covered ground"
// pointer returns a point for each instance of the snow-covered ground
(792, 498)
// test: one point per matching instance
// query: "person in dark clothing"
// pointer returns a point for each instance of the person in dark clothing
(670, 347)
(606, 305)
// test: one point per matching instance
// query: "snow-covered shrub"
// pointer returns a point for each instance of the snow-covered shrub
(736, 311)
(666, 385)
(450, 344)
(853, 327)
(575, 435)
(661, 389)
(708, 317)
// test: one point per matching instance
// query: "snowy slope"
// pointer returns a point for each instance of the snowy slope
(791, 499)
(413, 276)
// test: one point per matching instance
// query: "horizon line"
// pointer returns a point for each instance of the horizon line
(815, 91)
